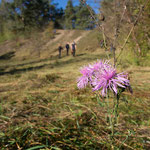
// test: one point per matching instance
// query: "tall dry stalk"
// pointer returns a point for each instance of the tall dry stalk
(112, 43)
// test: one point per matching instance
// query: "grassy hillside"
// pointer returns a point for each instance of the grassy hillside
(41, 107)
(42, 45)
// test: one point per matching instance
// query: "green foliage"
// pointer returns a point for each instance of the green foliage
(83, 17)
(28, 13)
(59, 19)
(78, 17)
(24, 16)
(69, 15)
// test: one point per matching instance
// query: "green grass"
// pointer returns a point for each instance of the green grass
(41, 107)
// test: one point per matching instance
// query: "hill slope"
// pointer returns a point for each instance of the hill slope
(42, 46)
(41, 107)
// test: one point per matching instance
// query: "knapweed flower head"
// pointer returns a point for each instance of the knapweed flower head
(88, 73)
(102, 76)
(85, 78)
(98, 65)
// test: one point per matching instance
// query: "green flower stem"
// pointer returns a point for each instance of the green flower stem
(115, 109)
(111, 120)
(112, 114)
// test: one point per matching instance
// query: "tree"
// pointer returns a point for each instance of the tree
(29, 14)
(69, 15)
(59, 18)
(3, 16)
(83, 17)
(36, 13)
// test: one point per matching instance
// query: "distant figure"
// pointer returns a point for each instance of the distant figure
(67, 48)
(102, 43)
(73, 49)
(60, 49)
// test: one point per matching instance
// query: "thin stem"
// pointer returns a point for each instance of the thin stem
(115, 110)
(109, 112)
(100, 27)
(116, 34)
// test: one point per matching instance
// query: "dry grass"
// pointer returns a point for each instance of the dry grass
(41, 107)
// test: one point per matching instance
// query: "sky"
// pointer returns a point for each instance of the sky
(62, 3)
(93, 3)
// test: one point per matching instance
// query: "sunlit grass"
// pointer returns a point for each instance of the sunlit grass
(41, 107)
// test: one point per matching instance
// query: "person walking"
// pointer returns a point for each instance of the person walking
(67, 48)
(73, 49)
(60, 48)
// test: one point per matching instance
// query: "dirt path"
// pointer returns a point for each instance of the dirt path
(59, 35)
(63, 37)
(80, 37)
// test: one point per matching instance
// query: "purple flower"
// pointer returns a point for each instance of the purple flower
(88, 72)
(86, 77)
(108, 79)
(102, 76)
(99, 65)
(82, 82)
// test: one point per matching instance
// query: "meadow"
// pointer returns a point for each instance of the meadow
(42, 108)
